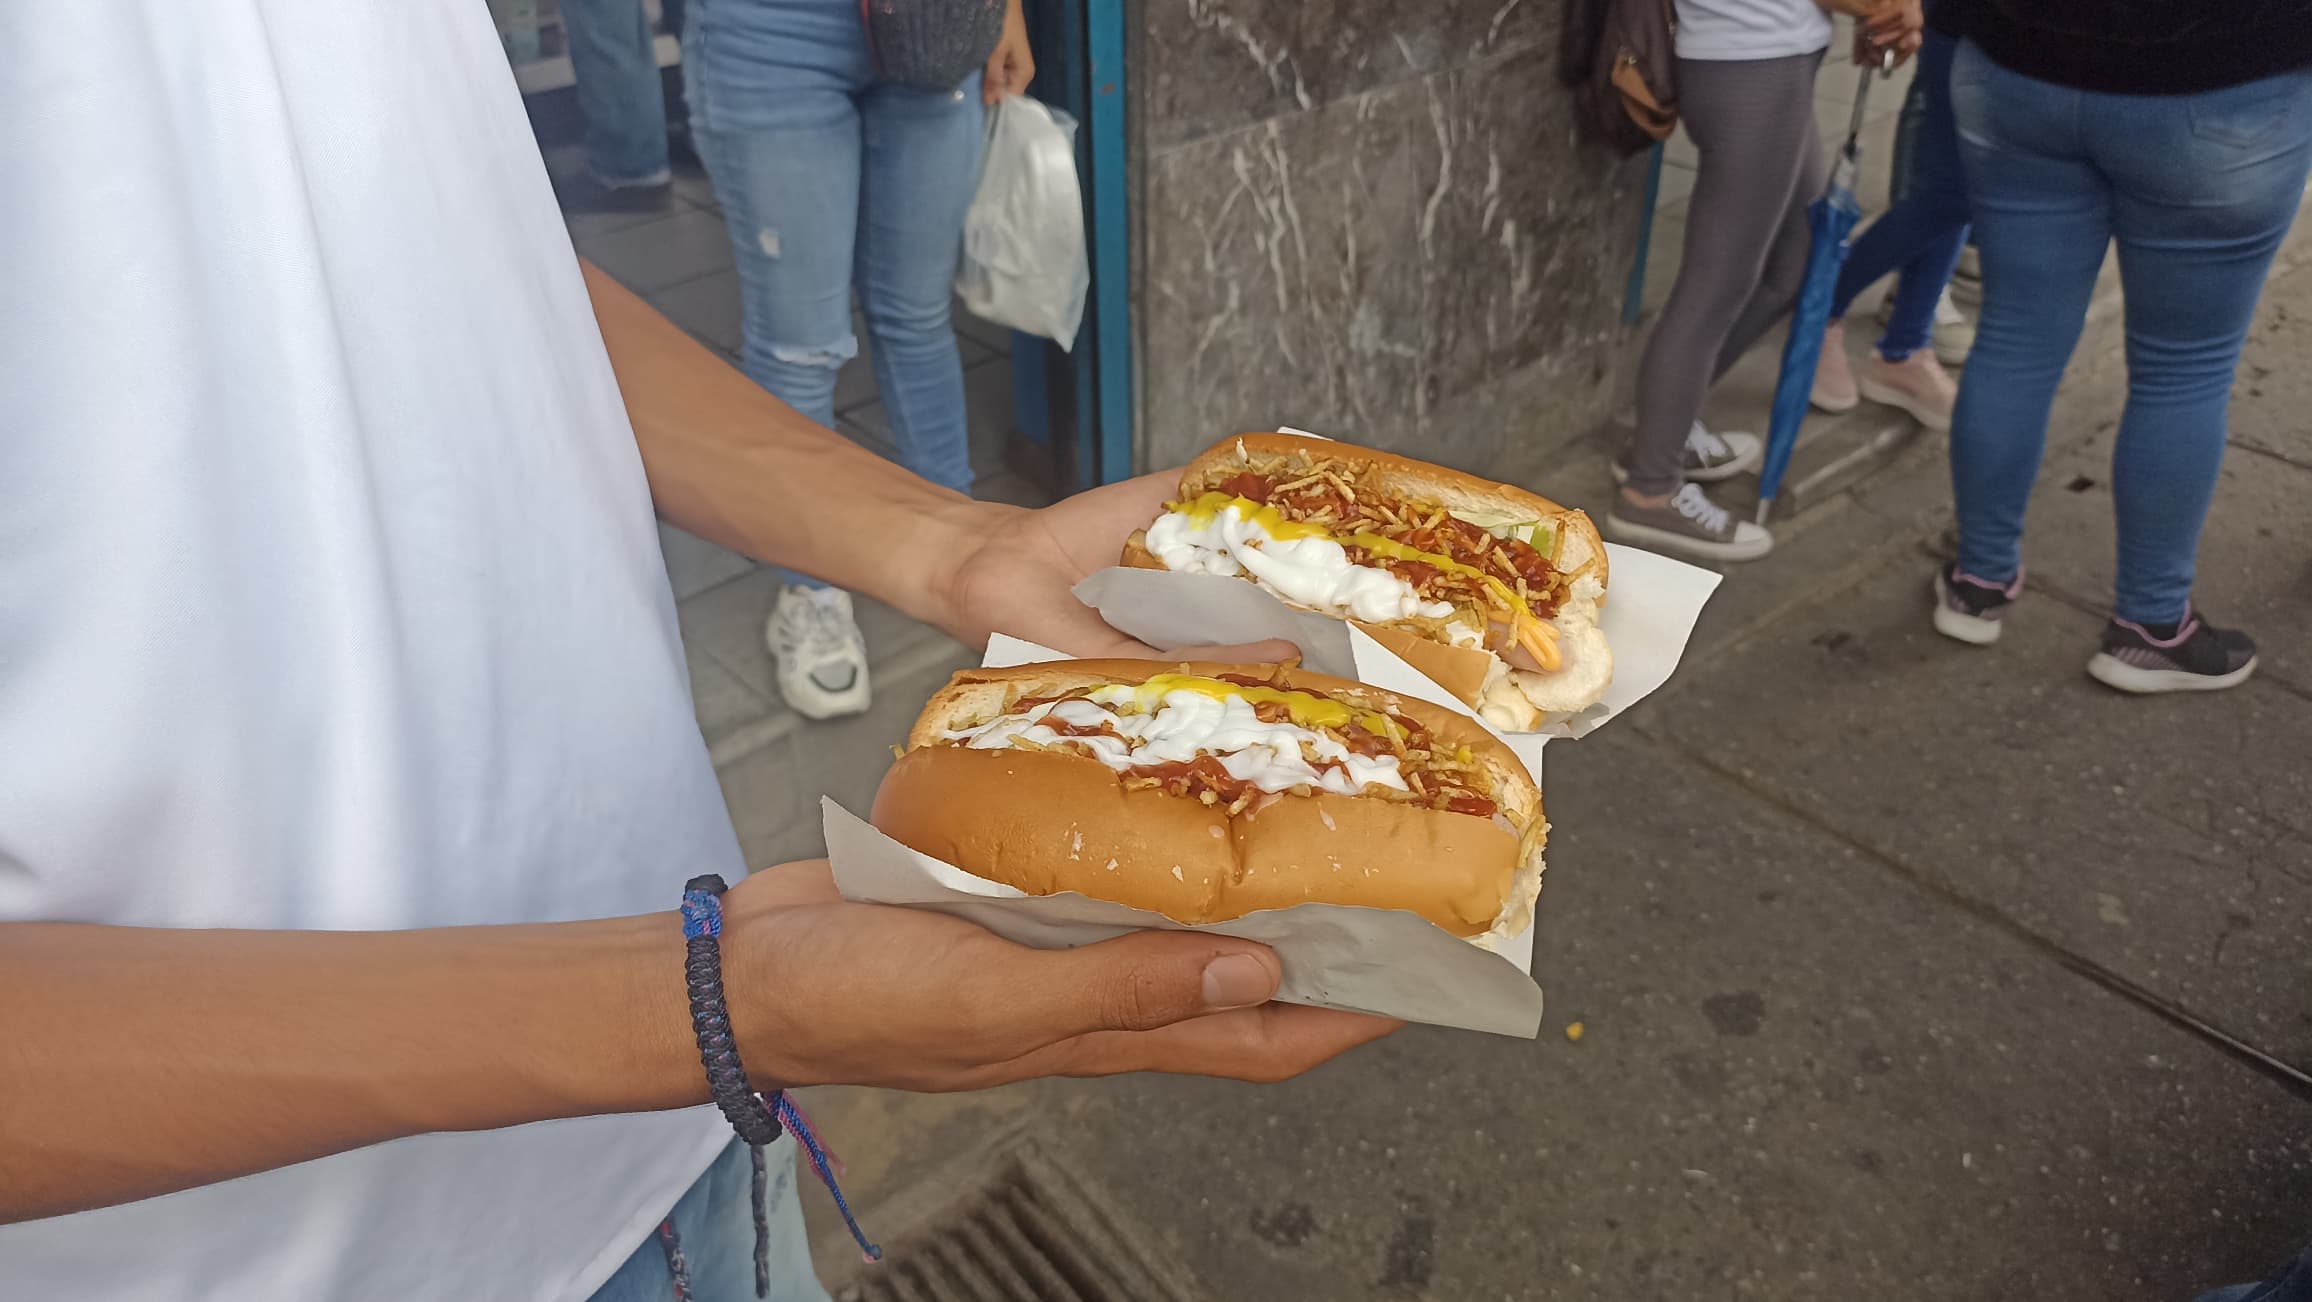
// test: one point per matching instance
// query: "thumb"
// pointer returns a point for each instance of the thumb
(1147, 979)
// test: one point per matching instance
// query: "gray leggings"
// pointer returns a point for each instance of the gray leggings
(1746, 242)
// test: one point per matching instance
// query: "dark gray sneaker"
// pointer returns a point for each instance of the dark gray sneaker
(1969, 609)
(2193, 656)
(1689, 523)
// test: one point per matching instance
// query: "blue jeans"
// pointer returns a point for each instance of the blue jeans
(2293, 1284)
(2199, 190)
(618, 90)
(716, 1223)
(830, 178)
(1923, 232)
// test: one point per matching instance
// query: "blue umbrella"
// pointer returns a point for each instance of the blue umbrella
(1832, 218)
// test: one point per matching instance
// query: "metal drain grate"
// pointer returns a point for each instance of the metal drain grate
(1025, 1230)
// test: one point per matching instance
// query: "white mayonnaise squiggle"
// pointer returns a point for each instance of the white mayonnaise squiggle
(1315, 573)
(1188, 724)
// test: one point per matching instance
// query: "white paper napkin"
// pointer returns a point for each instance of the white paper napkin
(1651, 605)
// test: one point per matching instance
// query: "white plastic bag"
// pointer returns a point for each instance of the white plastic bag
(1024, 264)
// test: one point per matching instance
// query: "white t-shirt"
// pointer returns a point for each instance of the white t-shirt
(1750, 29)
(329, 592)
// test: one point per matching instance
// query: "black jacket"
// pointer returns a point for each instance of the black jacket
(2137, 47)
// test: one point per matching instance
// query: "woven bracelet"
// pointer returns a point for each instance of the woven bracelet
(759, 1119)
(710, 1016)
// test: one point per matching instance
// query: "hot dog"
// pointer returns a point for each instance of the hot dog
(1208, 791)
(1488, 589)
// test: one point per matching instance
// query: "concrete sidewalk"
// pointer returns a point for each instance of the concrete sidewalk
(1905, 969)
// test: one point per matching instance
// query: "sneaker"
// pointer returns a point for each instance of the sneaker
(586, 193)
(1710, 456)
(821, 654)
(2194, 656)
(1690, 523)
(1953, 334)
(1967, 282)
(1834, 389)
(1918, 384)
(1969, 609)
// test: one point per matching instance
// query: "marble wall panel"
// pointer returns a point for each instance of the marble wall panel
(1215, 65)
(1433, 265)
(1527, 254)
(1283, 280)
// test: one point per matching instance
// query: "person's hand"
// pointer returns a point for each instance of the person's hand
(1011, 67)
(1870, 52)
(1897, 25)
(1019, 575)
(825, 991)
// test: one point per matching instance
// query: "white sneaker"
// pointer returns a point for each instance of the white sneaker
(1967, 281)
(821, 654)
(1954, 332)
(1710, 455)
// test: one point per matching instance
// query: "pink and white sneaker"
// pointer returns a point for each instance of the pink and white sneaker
(1917, 384)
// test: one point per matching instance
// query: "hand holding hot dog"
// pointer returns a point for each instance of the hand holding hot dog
(828, 991)
(1020, 570)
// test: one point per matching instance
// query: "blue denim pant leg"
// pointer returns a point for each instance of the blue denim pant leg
(832, 180)
(2198, 191)
(1925, 229)
(2292, 1284)
(2198, 217)
(715, 1221)
(618, 90)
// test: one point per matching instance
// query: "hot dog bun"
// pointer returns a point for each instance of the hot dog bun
(1047, 821)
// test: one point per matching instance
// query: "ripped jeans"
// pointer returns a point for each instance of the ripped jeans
(830, 178)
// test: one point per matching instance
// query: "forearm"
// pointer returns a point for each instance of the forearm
(732, 464)
(138, 1061)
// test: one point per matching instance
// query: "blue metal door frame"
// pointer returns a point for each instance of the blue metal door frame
(1078, 405)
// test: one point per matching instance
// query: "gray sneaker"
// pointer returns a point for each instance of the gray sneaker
(1689, 523)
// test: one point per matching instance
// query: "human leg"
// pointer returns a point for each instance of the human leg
(2205, 188)
(1751, 120)
(2042, 219)
(921, 166)
(619, 92)
(774, 96)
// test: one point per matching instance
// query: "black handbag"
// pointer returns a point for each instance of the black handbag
(931, 44)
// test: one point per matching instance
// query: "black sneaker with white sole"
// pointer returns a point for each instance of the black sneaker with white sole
(2193, 656)
(1968, 609)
